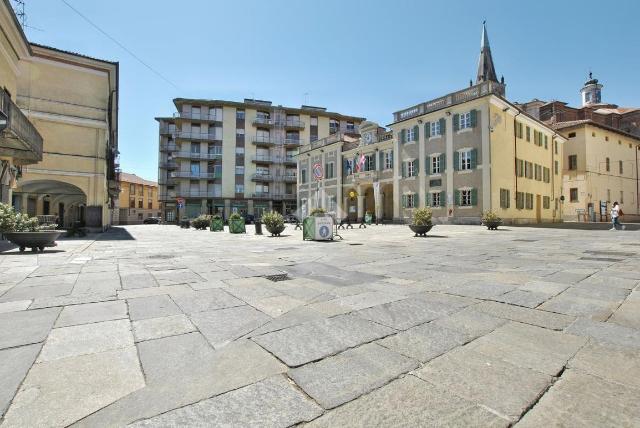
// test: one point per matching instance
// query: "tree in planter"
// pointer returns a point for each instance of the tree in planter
(11, 221)
(274, 222)
(236, 224)
(491, 220)
(318, 212)
(421, 221)
(201, 222)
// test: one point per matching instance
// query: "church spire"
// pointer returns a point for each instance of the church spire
(486, 70)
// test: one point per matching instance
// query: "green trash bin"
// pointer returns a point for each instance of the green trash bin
(237, 226)
(217, 224)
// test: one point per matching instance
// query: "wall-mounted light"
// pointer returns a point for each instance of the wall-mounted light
(448, 113)
(419, 120)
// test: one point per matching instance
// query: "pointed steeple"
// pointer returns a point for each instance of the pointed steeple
(486, 70)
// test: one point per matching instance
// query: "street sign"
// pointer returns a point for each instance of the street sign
(318, 173)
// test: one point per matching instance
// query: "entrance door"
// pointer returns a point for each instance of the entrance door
(538, 209)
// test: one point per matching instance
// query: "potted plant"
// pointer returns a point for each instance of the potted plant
(491, 220)
(201, 222)
(236, 224)
(274, 222)
(217, 224)
(421, 221)
(318, 212)
(368, 218)
(25, 231)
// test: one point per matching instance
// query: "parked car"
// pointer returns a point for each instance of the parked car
(151, 220)
(249, 218)
(290, 218)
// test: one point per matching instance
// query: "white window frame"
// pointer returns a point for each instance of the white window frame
(388, 160)
(435, 197)
(465, 197)
(410, 136)
(436, 168)
(435, 128)
(411, 200)
(239, 188)
(465, 160)
(465, 120)
(410, 169)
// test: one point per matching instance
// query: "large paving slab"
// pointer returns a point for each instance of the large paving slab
(92, 312)
(525, 315)
(152, 307)
(26, 327)
(226, 325)
(273, 402)
(312, 341)
(15, 364)
(155, 328)
(343, 377)
(205, 300)
(409, 402)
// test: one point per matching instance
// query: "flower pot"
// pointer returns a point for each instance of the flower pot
(493, 224)
(420, 230)
(35, 240)
(237, 226)
(275, 230)
(217, 225)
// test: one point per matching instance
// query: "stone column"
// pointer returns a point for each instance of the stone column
(449, 162)
(397, 171)
(340, 208)
(422, 167)
(24, 201)
(360, 203)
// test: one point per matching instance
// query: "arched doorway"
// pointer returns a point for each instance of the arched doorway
(50, 197)
(369, 201)
(387, 201)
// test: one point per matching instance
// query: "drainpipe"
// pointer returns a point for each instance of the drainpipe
(552, 170)
(637, 183)
(515, 154)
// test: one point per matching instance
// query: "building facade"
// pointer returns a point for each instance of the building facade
(600, 164)
(461, 154)
(222, 156)
(138, 199)
(20, 142)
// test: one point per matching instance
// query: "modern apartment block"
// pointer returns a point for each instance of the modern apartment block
(601, 156)
(460, 154)
(221, 156)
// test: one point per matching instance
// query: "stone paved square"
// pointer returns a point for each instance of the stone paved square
(179, 327)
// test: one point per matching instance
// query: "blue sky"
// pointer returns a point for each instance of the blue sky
(366, 58)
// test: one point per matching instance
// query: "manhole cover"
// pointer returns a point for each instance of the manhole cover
(278, 278)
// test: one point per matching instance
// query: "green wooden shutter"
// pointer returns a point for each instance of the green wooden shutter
(427, 199)
(474, 158)
(456, 122)
(428, 165)
(416, 167)
(402, 136)
(443, 163)
(416, 132)
(474, 118)
(404, 169)
(456, 197)
(456, 161)
(391, 158)
(474, 197)
(427, 130)
(416, 200)
(443, 201)
(404, 201)
(546, 143)
(443, 126)
(380, 161)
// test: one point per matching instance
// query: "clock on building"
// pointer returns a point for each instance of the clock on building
(368, 137)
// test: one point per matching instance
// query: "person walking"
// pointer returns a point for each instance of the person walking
(616, 212)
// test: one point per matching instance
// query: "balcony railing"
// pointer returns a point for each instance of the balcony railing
(198, 155)
(168, 147)
(292, 142)
(198, 194)
(199, 136)
(262, 177)
(25, 137)
(275, 196)
(343, 129)
(165, 130)
(199, 116)
(191, 174)
(168, 165)
(274, 159)
(289, 178)
(272, 141)
(286, 123)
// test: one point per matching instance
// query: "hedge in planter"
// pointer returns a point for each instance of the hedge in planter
(421, 221)
(236, 224)
(25, 231)
(201, 222)
(274, 222)
(217, 224)
(491, 220)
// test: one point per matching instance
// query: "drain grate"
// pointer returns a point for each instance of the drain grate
(278, 277)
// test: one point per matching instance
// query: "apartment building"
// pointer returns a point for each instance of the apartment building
(222, 156)
(138, 199)
(460, 154)
(600, 164)
(62, 118)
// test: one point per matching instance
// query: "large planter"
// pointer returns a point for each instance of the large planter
(420, 230)
(34, 240)
(318, 228)
(493, 225)
(217, 225)
(368, 219)
(275, 230)
(237, 226)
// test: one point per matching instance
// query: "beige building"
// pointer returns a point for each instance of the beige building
(20, 142)
(225, 156)
(62, 111)
(138, 199)
(461, 154)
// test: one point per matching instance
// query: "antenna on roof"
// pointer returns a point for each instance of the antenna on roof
(18, 8)
(306, 98)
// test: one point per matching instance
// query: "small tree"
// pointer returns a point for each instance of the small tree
(318, 212)
(274, 222)
(422, 217)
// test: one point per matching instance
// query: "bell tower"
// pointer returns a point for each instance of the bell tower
(591, 92)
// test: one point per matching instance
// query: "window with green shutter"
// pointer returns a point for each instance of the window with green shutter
(505, 198)
(416, 168)
(456, 195)
(474, 158)
(546, 202)
(474, 118)
(443, 163)
(546, 143)
(443, 199)
(416, 133)
(403, 136)
(528, 133)
(456, 161)
(404, 201)
(443, 126)
(519, 200)
(456, 122)
(427, 130)
(404, 169)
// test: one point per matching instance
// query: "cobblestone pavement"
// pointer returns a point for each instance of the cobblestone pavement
(158, 326)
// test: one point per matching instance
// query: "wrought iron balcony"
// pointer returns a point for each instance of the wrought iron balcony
(285, 123)
(198, 155)
(192, 174)
(17, 133)
(186, 135)
(262, 177)
(165, 130)
(264, 141)
(293, 142)
(168, 147)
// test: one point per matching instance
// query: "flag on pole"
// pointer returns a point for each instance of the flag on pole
(360, 165)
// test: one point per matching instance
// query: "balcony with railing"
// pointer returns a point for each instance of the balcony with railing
(293, 142)
(289, 178)
(286, 123)
(344, 129)
(261, 177)
(198, 194)
(261, 140)
(166, 130)
(186, 135)
(199, 155)
(274, 196)
(264, 159)
(168, 165)
(17, 133)
(196, 175)
(211, 117)
(291, 123)
(168, 147)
